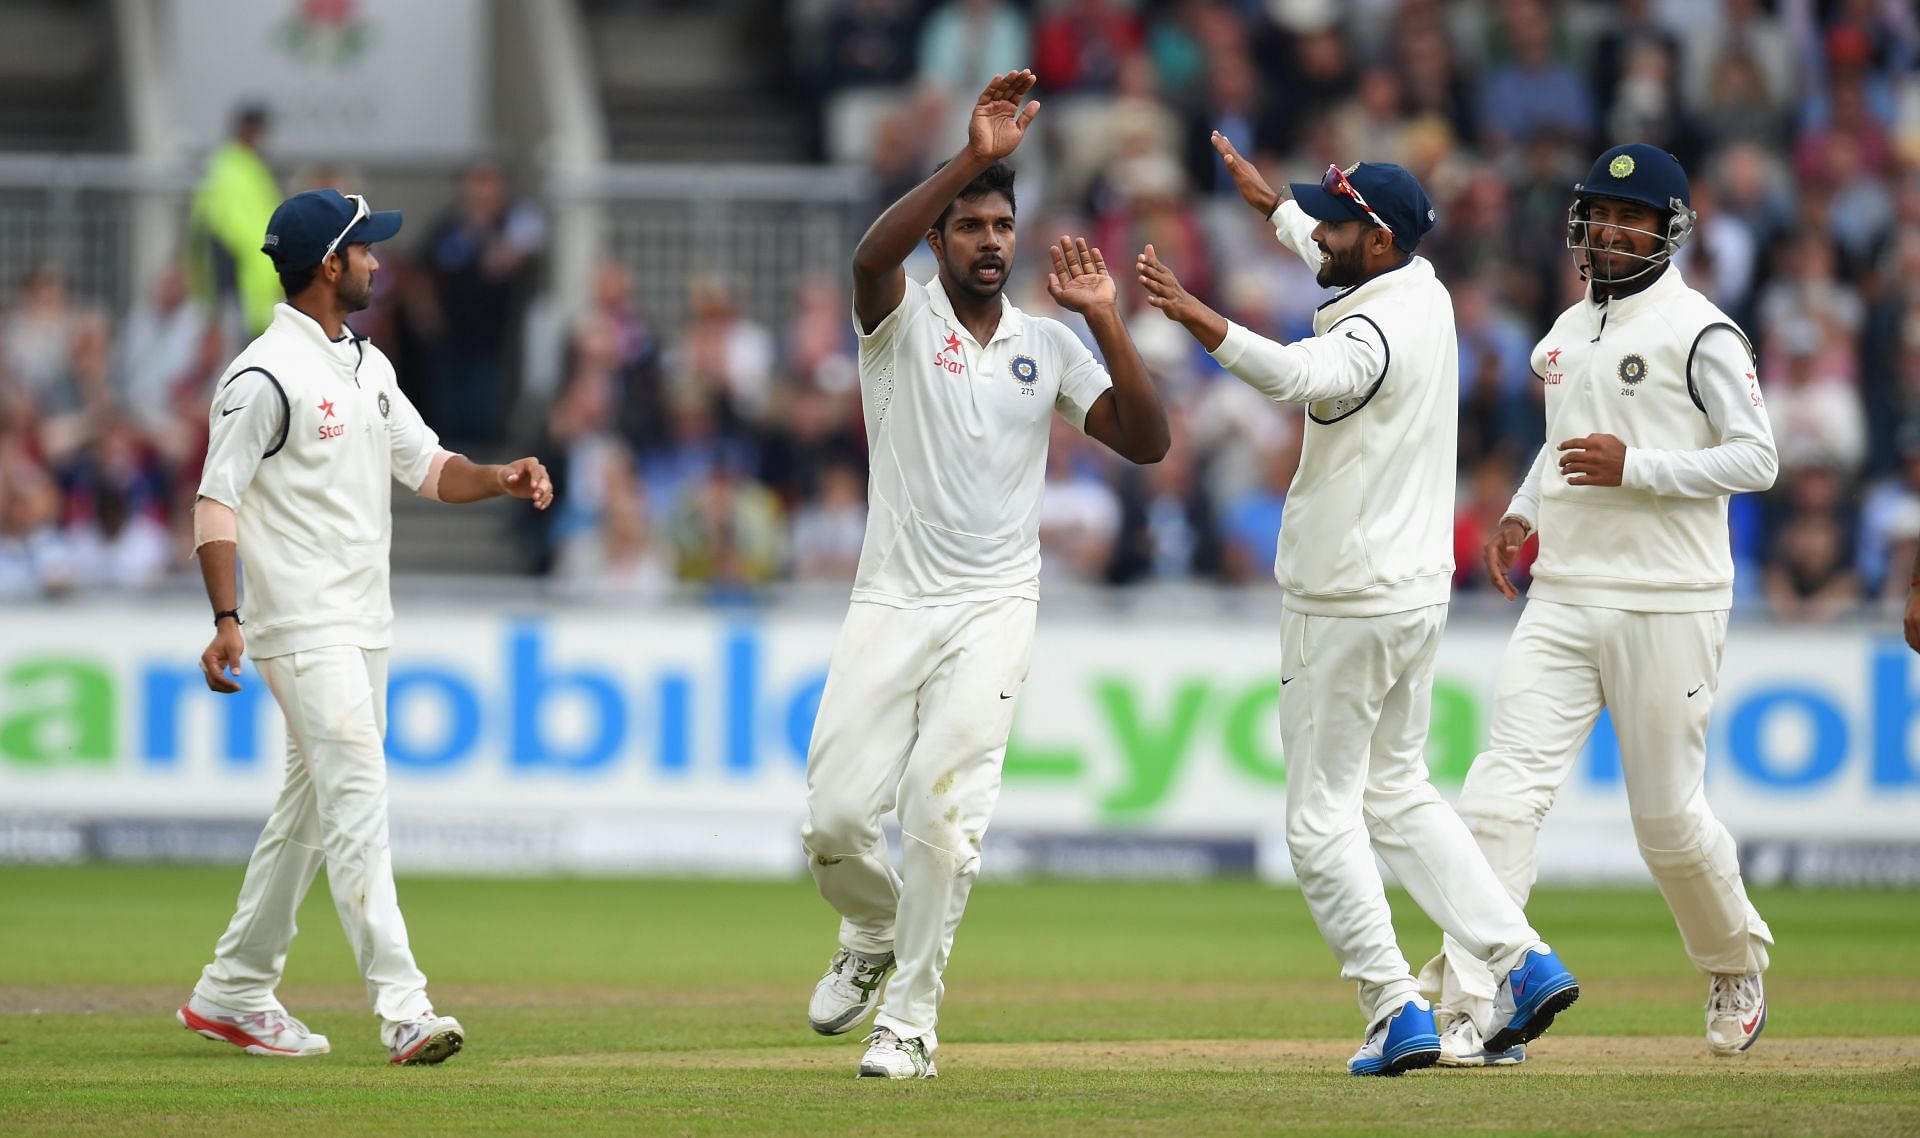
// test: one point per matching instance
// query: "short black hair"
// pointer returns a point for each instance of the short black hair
(296, 281)
(995, 179)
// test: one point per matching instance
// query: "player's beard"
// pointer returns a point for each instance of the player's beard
(1340, 269)
(355, 294)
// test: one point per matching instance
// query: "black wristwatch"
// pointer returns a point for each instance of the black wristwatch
(234, 613)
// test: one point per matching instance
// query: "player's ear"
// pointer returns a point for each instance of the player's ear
(933, 242)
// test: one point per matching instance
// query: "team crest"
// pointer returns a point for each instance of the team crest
(1621, 166)
(1025, 370)
(385, 406)
(1633, 369)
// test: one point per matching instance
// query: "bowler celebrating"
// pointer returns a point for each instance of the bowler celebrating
(959, 388)
(1365, 559)
(308, 425)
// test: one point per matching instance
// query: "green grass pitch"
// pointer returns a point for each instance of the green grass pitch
(677, 1007)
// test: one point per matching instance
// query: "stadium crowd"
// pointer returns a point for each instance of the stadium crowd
(727, 454)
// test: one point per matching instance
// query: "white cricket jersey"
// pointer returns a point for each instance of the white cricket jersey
(1367, 529)
(957, 437)
(305, 434)
(1668, 374)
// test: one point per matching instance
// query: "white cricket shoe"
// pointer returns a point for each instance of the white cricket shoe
(257, 1033)
(1736, 1012)
(429, 1039)
(845, 995)
(1461, 1046)
(891, 1057)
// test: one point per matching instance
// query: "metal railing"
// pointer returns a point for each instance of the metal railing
(84, 214)
(757, 230)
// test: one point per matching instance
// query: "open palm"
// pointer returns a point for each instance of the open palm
(1079, 281)
(999, 121)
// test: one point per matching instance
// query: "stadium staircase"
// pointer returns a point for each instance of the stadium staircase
(695, 81)
(59, 80)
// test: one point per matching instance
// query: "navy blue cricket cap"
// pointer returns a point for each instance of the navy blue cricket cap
(304, 225)
(1393, 193)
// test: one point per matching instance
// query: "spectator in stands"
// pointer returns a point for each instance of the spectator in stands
(727, 532)
(160, 355)
(621, 556)
(829, 528)
(1251, 522)
(117, 548)
(34, 560)
(1808, 577)
(965, 43)
(725, 352)
(226, 270)
(1235, 104)
(1078, 46)
(865, 43)
(1167, 530)
(1533, 88)
(1478, 518)
(1080, 512)
(483, 258)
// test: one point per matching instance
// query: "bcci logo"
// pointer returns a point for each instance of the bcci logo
(1621, 166)
(385, 405)
(1633, 369)
(1025, 370)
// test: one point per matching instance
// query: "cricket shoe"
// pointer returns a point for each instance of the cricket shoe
(845, 995)
(1404, 1041)
(1537, 989)
(1461, 1046)
(427, 1040)
(257, 1033)
(1736, 1012)
(891, 1057)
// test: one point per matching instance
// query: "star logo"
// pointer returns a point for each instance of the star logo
(326, 405)
(1553, 357)
(952, 344)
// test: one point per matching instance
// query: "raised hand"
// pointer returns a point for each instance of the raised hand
(999, 121)
(1079, 281)
(1164, 290)
(1251, 185)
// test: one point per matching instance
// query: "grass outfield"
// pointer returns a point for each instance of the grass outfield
(677, 1007)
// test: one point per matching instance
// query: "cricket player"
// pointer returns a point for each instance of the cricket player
(959, 388)
(1365, 559)
(1650, 391)
(308, 424)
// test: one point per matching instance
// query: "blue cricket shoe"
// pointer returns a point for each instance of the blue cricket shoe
(1538, 988)
(1404, 1041)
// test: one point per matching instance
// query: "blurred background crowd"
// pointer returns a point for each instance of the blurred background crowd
(719, 453)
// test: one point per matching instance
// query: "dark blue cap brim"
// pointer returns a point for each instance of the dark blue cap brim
(1323, 206)
(379, 226)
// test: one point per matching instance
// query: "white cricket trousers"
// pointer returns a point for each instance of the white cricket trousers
(1657, 672)
(332, 809)
(915, 718)
(1356, 696)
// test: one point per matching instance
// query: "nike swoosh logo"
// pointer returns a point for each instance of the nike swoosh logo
(1004, 695)
(1358, 340)
(1695, 691)
(1748, 1026)
(1287, 680)
(231, 410)
(1519, 986)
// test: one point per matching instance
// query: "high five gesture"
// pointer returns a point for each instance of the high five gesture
(999, 121)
